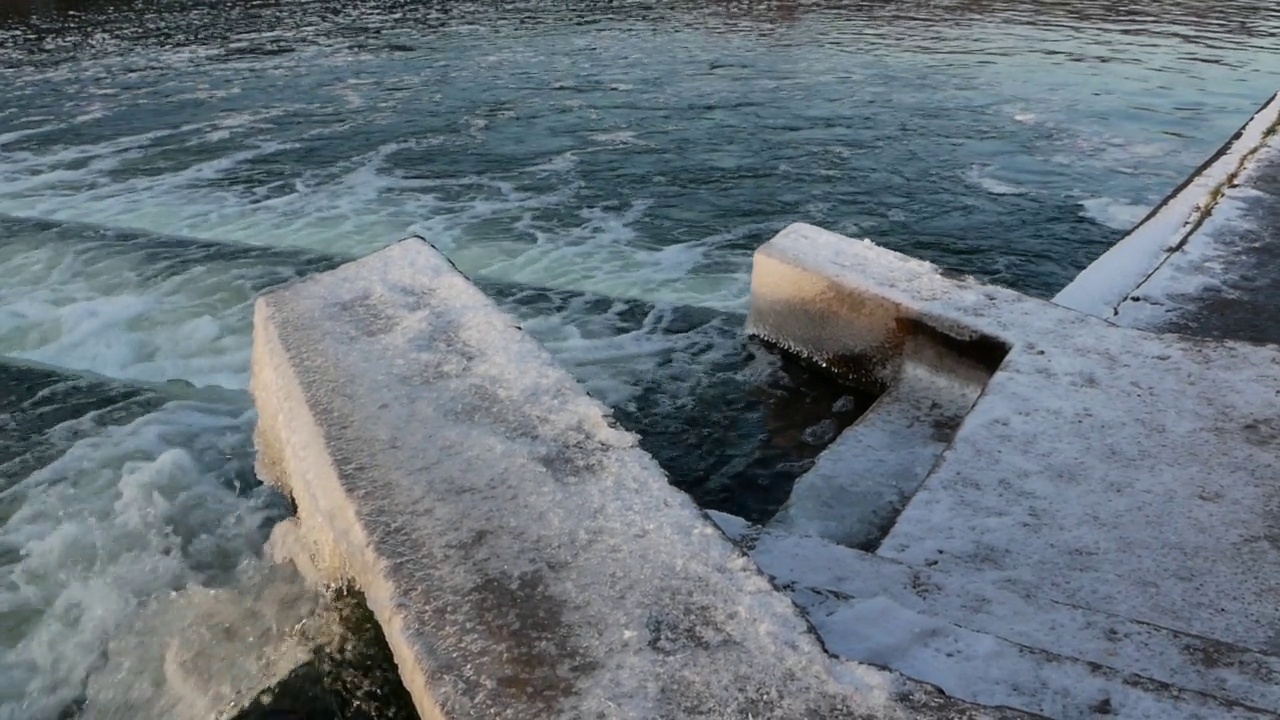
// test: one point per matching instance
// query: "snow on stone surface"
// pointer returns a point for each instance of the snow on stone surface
(1150, 492)
(989, 670)
(985, 645)
(1109, 279)
(524, 556)
(1227, 259)
(1114, 471)
(827, 571)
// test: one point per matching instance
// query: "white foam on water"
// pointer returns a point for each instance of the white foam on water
(603, 254)
(201, 653)
(123, 516)
(490, 227)
(594, 359)
(353, 207)
(1115, 214)
(104, 529)
(615, 363)
(980, 175)
(9, 137)
(622, 137)
(105, 313)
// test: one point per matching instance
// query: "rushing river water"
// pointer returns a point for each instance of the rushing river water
(634, 150)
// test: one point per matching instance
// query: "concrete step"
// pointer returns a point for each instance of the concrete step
(859, 485)
(987, 645)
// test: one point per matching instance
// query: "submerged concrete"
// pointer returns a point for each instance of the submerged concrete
(524, 557)
(1100, 535)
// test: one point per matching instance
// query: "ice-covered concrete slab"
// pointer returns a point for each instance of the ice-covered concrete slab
(524, 556)
(1116, 471)
(1102, 287)
(859, 484)
(1224, 280)
(1147, 660)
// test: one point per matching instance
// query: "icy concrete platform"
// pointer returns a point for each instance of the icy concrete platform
(525, 558)
(1100, 535)
(1224, 280)
(1205, 262)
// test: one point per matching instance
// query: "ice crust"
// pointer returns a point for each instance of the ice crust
(1102, 287)
(524, 556)
(1066, 476)
(1114, 486)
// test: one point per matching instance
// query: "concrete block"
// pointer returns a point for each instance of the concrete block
(523, 555)
(1123, 473)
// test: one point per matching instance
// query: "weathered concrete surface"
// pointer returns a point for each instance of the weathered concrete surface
(524, 557)
(1224, 280)
(1128, 476)
(987, 644)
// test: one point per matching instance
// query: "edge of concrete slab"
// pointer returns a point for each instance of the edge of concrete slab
(1102, 286)
(1222, 283)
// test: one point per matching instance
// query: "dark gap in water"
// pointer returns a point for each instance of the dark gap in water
(353, 677)
(740, 442)
(731, 420)
(986, 351)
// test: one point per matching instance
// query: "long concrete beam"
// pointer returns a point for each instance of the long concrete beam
(525, 558)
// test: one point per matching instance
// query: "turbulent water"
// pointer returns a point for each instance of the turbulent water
(636, 150)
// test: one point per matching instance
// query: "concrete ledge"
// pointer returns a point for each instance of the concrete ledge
(525, 558)
(859, 484)
(1224, 279)
(1124, 474)
(1108, 281)
(861, 310)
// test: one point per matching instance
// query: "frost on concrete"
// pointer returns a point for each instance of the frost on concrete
(1110, 279)
(1109, 484)
(975, 640)
(862, 481)
(1224, 281)
(524, 557)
